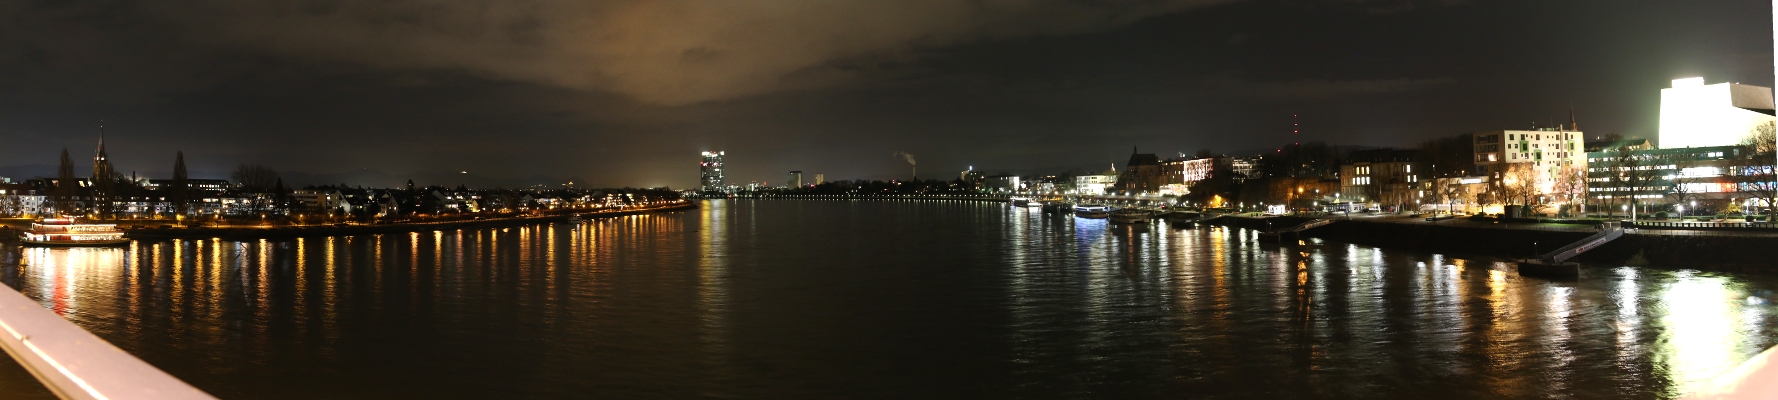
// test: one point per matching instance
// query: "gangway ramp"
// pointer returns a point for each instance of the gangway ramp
(1294, 232)
(1556, 263)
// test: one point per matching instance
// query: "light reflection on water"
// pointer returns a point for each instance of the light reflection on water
(851, 298)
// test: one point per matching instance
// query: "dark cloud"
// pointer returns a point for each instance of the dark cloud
(1321, 89)
(659, 52)
(627, 92)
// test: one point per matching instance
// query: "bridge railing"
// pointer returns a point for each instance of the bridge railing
(74, 363)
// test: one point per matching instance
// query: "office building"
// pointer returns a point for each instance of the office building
(710, 178)
(793, 179)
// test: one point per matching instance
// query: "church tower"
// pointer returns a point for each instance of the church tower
(101, 162)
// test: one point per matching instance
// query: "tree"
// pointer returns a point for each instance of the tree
(1518, 184)
(1681, 187)
(1451, 192)
(1571, 187)
(255, 177)
(1752, 165)
(1629, 176)
(180, 191)
(67, 186)
(1449, 156)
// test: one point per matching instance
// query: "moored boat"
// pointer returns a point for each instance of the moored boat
(1131, 216)
(1181, 217)
(66, 232)
(1092, 211)
(1021, 202)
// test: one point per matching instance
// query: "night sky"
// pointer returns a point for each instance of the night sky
(627, 93)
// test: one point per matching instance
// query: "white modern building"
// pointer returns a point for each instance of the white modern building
(1096, 184)
(1694, 114)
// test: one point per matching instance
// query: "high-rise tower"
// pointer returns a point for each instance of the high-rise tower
(710, 179)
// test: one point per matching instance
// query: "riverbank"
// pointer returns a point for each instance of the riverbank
(1712, 250)
(984, 198)
(292, 232)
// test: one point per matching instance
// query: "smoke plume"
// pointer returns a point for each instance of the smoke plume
(905, 156)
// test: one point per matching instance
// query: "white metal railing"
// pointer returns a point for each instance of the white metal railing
(74, 363)
(1757, 378)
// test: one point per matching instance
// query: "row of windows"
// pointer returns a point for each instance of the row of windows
(1709, 154)
(1539, 136)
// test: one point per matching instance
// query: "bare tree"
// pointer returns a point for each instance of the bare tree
(1519, 184)
(1454, 192)
(1752, 165)
(1680, 187)
(255, 177)
(1629, 174)
(1571, 186)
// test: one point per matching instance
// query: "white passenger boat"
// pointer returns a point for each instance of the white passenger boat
(1092, 211)
(66, 232)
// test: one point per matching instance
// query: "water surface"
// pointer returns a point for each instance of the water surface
(883, 299)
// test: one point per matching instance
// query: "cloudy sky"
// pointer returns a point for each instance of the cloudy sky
(626, 93)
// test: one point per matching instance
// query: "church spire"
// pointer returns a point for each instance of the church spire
(101, 162)
(1573, 126)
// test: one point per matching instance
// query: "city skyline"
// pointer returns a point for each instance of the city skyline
(1054, 95)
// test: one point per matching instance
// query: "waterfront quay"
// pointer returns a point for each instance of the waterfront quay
(344, 229)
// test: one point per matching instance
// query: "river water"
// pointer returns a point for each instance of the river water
(883, 299)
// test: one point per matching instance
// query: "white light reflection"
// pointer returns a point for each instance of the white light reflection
(1699, 340)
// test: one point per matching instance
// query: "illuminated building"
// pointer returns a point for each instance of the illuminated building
(1659, 176)
(1549, 148)
(793, 179)
(194, 184)
(1004, 183)
(710, 177)
(1384, 176)
(1142, 174)
(1697, 115)
(1178, 175)
(971, 177)
(1096, 184)
(1244, 168)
